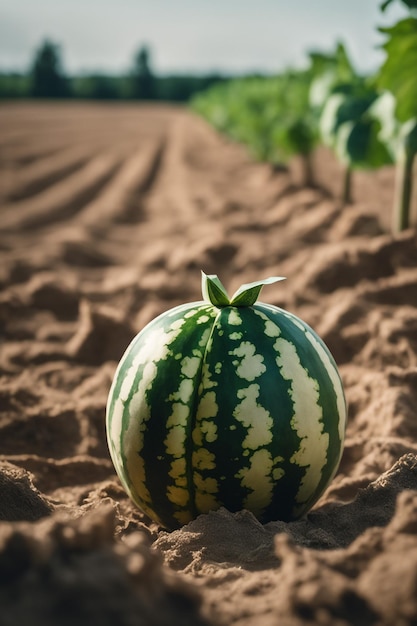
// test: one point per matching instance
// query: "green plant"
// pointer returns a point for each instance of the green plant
(226, 402)
(348, 126)
(398, 114)
(270, 115)
(343, 100)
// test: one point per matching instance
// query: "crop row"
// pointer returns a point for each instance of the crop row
(368, 121)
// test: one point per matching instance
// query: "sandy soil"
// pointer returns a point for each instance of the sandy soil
(108, 213)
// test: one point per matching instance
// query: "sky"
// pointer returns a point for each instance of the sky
(198, 36)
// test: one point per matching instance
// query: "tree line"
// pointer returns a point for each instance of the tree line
(46, 78)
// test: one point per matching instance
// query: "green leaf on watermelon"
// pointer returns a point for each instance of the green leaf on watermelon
(213, 290)
(248, 293)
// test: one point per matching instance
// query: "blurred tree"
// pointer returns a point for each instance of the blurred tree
(47, 79)
(143, 82)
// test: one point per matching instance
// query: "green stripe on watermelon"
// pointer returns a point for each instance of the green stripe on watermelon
(153, 426)
(325, 391)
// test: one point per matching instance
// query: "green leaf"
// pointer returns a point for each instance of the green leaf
(213, 290)
(358, 144)
(321, 88)
(411, 4)
(248, 293)
(329, 118)
(398, 73)
(348, 127)
(383, 111)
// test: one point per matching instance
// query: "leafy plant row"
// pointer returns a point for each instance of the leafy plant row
(368, 121)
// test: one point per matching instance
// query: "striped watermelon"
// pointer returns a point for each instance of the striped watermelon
(226, 402)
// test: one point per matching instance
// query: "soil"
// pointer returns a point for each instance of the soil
(108, 214)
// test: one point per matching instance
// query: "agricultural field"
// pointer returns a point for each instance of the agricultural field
(108, 215)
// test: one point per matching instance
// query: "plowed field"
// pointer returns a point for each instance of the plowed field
(108, 214)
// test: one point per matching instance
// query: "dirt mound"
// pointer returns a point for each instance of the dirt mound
(108, 216)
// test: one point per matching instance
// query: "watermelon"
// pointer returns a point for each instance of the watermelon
(226, 402)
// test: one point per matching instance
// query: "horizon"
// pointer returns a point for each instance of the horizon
(187, 37)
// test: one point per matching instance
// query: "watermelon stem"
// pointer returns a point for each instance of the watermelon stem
(215, 293)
